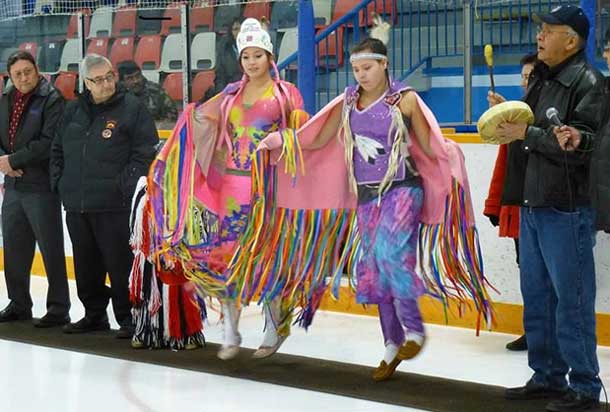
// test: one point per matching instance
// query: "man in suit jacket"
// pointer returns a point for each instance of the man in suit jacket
(31, 212)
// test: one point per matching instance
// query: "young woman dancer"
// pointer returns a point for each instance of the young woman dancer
(200, 185)
(378, 150)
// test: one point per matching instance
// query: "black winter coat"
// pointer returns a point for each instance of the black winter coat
(600, 167)
(100, 151)
(546, 175)
(35, 133)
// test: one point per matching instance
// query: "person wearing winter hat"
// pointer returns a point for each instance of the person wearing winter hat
(221, 136)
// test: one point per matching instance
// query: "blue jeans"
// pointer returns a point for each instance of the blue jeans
(558, 287)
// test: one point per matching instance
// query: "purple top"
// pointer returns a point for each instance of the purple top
(370, 128)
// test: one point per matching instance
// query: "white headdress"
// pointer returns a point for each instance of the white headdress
(252, 34)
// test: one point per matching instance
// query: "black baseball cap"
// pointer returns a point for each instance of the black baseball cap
(568, 15)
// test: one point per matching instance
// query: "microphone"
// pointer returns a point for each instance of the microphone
(553, 116)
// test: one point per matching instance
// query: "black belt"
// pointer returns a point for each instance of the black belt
(368, 192)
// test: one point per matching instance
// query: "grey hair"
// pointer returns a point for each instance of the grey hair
(581, 43)
(90, 61)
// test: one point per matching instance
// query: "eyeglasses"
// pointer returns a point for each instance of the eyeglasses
(23, 73)
(98, 81)
(545, 31)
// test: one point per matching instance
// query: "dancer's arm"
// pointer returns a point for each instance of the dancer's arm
(307, 139)
(410, 108)
(328, 131)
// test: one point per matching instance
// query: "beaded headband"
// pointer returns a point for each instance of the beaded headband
(367, 56)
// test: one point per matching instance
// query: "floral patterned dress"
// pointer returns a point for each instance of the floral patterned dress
(248, 125)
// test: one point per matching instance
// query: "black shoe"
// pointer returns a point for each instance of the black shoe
(533, 390)
(86, 325)
(11, 314)
(125, 332)
(518, 344)
(573, 402)
(50, 321)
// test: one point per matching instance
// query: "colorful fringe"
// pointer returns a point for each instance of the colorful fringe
(288, 254)
(451, 262)
(164, 315)
(184, 231)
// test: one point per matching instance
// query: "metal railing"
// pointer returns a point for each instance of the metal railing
(423, 30)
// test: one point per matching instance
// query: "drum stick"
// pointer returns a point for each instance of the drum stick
(489, 59)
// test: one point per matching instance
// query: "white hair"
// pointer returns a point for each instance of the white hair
(90, 61)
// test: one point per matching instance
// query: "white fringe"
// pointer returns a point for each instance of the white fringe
(165, 294)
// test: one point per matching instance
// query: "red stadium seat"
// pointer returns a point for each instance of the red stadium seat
(330, 50)
(202, 19)
(124, 22)
(73, 25)
(98, 46)
(257, 10)
(66, 83)
(173, 22)
(122, 49)
(148, 52)
(173, 86)
(342, 7)
(202, 82)
(30, 47)
(384, 8)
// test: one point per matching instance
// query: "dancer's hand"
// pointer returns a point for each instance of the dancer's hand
(272, 141)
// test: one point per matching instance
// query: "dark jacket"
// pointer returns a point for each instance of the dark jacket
(600, 166)
(552, 177)
(516, 163)
(228, 69)
(100, 151)
(34, 135)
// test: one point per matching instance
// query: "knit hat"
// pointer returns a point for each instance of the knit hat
(252, 34)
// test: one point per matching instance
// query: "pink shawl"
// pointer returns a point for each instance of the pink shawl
(305, 222)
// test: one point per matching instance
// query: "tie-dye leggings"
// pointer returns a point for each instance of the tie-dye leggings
(386, 270)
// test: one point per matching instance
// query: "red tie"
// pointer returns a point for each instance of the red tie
(18, 108)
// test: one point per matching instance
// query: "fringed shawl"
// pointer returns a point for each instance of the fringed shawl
(303, 224)
(184, 185)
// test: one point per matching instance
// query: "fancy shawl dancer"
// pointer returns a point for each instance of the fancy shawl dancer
(363, 184)
(200, 186)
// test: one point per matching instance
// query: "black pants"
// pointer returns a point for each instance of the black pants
(100, 242)
(29, 218)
